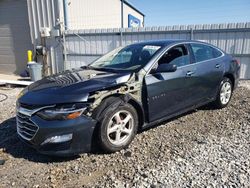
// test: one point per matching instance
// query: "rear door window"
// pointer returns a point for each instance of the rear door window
(216, 53)
(202, 52)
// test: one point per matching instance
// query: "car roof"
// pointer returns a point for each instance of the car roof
(166, 42)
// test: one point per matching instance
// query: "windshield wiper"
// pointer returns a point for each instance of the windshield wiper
(104, 69)
(99, 68)
(85, 67)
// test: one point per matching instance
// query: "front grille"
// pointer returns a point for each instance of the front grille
(25, 127)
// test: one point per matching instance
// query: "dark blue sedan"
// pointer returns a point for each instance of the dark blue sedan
(105, 103)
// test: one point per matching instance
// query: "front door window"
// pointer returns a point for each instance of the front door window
(177, 55)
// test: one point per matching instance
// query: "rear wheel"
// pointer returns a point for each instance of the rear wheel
(118, 127)
(225, 93)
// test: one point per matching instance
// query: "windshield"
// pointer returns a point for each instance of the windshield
(129, 58)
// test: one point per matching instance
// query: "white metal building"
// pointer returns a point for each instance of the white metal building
(92, 14)
(21, 22)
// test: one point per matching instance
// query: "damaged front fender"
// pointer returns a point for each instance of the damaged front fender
(129, 89)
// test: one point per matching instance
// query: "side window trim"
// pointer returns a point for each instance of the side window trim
(191, 53)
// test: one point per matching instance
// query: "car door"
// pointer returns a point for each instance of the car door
(207, 71)
(166, 91)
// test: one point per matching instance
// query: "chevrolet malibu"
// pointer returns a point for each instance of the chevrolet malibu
(105, 103)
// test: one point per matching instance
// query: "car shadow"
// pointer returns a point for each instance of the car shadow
(12, 145)
(209, 106)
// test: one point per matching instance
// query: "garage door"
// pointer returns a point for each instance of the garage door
(14, 36)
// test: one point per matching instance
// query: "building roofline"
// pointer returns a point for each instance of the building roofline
(131, 6)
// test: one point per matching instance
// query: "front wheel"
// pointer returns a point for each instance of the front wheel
(117, 127)
(225, 93)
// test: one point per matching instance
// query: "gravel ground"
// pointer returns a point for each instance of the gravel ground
(203, 148)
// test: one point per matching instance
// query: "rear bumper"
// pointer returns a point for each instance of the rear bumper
(81, 128)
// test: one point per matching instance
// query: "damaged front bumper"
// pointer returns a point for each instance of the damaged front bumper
(60, 138)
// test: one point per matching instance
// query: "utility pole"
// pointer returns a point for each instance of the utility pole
(122, 24)
(122, 1)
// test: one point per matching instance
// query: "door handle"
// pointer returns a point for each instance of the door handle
(189, 73)
(217, 66)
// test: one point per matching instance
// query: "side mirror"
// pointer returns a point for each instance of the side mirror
(166, 68)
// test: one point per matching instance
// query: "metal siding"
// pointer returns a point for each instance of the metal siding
(246, 46)
(245, 66)
(230, 37)
(234, 38)
(44, 13)
(14, 36)
(238, 42)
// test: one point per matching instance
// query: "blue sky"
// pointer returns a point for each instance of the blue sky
(176, 12)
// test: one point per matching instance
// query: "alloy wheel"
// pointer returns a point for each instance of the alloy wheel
(225, 92)
(120, 127)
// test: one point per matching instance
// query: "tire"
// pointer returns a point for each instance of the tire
(224, 94)
(111, 127)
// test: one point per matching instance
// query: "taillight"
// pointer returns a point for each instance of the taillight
(237, 62)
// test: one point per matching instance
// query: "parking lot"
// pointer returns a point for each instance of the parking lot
(205, 147)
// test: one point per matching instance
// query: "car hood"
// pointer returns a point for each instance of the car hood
(71, 86)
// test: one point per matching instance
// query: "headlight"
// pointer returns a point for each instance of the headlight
(64, 112)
